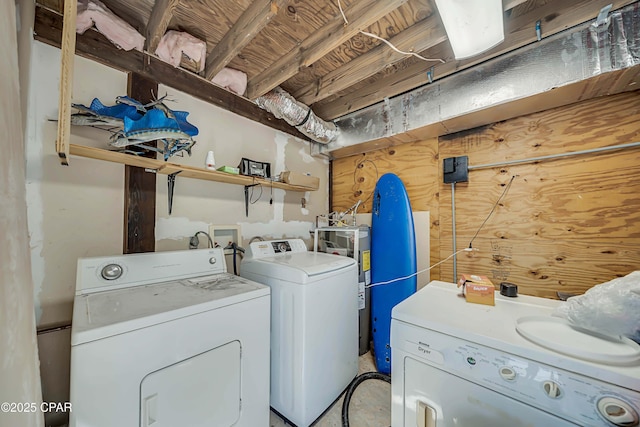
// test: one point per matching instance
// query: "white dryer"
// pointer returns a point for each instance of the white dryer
(314, 324)
(168, 339)
(461, 364)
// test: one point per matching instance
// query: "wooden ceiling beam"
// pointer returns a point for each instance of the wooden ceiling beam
(417, 38)
(360, 15)
(518, 33)
(161, 15)
(94, 46)
(250, 23)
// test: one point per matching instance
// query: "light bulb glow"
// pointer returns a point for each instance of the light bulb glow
(472, 26)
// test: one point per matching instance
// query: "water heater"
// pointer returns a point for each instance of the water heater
(353, 242)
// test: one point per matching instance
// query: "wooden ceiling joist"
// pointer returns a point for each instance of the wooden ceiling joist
(274, 41)
(94, 46)
(518, 33)
(417, 38)
(360, 15)
(250, 23)
(161, 15)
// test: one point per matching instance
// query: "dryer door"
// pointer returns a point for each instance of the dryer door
(435, 398)
(203, 390)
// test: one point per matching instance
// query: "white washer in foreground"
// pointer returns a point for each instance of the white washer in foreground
(456, 363)
(168, 339)
(314, 324)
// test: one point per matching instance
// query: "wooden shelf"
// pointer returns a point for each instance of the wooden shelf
(168, 168)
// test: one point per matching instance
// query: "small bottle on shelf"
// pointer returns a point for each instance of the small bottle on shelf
(210, 162)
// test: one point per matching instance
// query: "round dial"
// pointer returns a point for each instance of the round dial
(507, 373)
(282, 247)
(552, 389)
(111, 272)
(212, 260)
(617, 411)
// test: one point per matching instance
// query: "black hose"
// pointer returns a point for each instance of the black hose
(235, 252)
(352, 388)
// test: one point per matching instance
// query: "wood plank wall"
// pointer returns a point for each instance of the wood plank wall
(563, 225)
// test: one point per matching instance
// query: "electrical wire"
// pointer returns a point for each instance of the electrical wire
(388, 43)
(492, 209)
(469, 249)
(251, 201)
(397, 279)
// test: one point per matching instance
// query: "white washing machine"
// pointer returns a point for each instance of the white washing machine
(314, 324)
(168, 339)
(460, 364)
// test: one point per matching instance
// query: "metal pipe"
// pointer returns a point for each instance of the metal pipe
(453, 230)
(556, 156)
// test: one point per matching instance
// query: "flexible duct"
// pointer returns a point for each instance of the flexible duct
(284, 106)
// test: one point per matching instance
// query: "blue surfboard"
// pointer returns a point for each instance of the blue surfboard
(393, 255)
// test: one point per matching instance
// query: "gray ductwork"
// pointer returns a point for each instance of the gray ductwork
(284, 106)
(578, 54)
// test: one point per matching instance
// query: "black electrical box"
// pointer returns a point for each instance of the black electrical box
(253, 168)
(455, 169)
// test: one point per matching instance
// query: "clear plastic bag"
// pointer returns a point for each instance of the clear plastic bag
(612, 308)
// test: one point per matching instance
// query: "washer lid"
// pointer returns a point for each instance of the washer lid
(313, 263)
(299, 267)
(103, 314)
(559, 335)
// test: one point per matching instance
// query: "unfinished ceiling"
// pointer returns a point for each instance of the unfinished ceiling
(307, 47)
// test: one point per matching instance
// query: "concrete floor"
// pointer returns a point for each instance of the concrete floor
(370, 404)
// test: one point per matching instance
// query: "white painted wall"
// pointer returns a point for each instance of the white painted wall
(77, 211)
(19, 377)
(196, 204)
(73, 211)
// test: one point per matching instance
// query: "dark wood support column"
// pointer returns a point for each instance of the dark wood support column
(139, 185)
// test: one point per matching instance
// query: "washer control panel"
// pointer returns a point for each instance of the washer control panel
(270, 248)
(97, 274)
(580, 399)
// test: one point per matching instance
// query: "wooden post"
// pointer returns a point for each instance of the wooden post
(139, 185)
(68, 48)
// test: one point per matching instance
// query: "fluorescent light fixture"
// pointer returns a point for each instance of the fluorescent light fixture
(473, 26)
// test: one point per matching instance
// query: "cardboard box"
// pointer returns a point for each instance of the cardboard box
(477, 289)
(296, 178)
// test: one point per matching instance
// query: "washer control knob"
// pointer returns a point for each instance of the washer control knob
(111, 272)
(551, 389)
(212, 260)
(507, 373)
(617, 411)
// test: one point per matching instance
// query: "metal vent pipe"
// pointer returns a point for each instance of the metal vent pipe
(575, 55)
